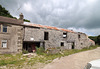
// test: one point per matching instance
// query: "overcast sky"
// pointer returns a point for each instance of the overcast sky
(79, 15)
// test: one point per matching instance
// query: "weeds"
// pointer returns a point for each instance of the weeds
(42, 57)
(11, 59)
(24, 51)
(40, 51)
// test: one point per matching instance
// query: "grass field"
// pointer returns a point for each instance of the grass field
(19, 60)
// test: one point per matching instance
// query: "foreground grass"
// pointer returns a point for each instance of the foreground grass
(20, 60)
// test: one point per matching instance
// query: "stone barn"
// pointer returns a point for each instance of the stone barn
(52, 37)
(16, 35)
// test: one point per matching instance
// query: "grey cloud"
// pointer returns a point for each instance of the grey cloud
(59, 13)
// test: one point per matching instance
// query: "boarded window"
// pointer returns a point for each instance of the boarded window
(46, 34)
(64, 35)
(62, 43)
(4, 43)
(4, 28)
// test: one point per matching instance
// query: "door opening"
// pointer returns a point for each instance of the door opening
(73, 46)
(30, 46)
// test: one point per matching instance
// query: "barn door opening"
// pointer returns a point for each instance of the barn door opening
(31, 46)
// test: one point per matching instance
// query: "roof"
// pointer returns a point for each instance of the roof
(20, 22)
(91, 41)
(48, 27)
(10, 20)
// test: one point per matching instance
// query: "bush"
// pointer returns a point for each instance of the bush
(25, 52)
(40, 50)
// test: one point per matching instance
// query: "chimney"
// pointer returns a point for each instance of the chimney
(21, 16)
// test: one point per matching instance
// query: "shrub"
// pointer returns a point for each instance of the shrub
(25, 51)
(40, 50)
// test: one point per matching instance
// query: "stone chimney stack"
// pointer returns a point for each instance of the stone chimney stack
(21, 16)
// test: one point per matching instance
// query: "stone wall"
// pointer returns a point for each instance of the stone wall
(56, 37)
(16, 34)
(14, 37)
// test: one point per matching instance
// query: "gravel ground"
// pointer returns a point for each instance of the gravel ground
(74, 61)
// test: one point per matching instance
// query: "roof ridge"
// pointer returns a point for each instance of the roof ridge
(49, 27)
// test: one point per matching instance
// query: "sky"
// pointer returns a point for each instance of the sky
(77, 15)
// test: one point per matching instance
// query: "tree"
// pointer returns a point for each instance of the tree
(94, 38)
(4, 12)
(98, 39)
(26, 20)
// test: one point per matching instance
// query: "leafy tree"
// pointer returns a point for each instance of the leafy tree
(94, 38)
(4, 12)
(98, 39)
(26, 20)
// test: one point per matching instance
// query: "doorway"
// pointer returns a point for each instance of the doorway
(73, 45)
(30, 46)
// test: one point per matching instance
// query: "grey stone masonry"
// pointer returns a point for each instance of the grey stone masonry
(14, 38)
(73, 40)
(16, 35)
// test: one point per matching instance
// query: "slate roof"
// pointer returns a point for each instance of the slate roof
(10, 20)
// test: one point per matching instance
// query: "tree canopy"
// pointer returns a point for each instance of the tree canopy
(4, 12)
(96, 39)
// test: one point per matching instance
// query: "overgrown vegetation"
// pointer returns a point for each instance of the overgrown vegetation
(8, 59)
(42, 57)
(24, 51)
(40, 50)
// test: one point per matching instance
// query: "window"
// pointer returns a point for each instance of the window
(0, 27)
(79, 36)
(81, 43)
(62, 43)
(4, 43)
(4, 28)
(46, 35)
(64, 35)
(73, 45)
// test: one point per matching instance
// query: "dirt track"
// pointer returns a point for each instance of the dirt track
(75, 61)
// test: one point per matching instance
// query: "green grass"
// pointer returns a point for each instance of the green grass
(42, 57)
(11, 59)
(49, 57)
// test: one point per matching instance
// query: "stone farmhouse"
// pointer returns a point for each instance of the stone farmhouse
(16, 35)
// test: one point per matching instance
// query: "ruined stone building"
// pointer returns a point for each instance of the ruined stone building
(16, 35)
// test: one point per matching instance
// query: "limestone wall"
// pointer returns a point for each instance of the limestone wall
(14, 36)
(56, 37)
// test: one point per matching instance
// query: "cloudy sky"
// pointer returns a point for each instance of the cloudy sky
(79, 15)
